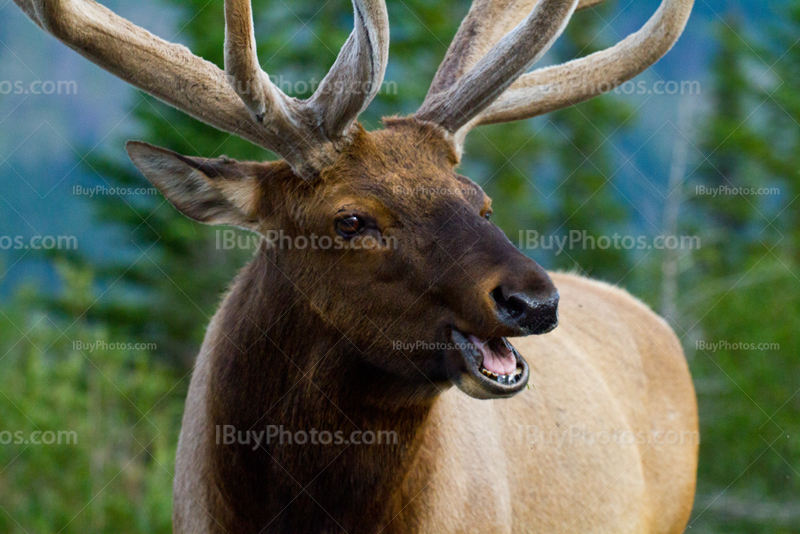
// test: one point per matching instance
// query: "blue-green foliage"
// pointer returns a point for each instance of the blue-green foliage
(124, 404)
(743, 288)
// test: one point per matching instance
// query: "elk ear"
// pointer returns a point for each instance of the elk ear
(211, 191)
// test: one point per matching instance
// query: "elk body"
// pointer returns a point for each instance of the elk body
(419, 293)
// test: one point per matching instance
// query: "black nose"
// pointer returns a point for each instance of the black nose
(534, 312)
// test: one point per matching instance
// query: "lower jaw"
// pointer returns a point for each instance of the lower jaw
(469, 375)
(509, 379)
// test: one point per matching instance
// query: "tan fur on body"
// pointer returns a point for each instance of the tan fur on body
(542, 460)
(415, 293)
(612, 368)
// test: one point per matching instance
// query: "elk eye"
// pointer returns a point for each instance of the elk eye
(349, 226)
(487, 215)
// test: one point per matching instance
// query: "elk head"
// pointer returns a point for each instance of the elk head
(405, 254)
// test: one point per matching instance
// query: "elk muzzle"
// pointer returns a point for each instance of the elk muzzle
(483, 363)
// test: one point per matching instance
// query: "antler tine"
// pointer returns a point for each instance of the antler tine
(358, 73)
(485, 24)
(265, 101)
(551, 88)
(168, 71)
(505, 62)
(244, 102)
(349, 87)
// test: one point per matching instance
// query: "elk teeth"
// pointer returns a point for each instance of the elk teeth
(488, 373)
(503, 379)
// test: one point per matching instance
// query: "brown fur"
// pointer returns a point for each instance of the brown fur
(304, 340)
(307, 339)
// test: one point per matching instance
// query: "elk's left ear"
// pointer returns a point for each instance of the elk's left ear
(211, 191)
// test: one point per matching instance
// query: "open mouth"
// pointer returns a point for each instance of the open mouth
(488, 367)
(499, 361)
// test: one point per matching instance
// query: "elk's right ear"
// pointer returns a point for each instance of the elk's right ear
(211, 191)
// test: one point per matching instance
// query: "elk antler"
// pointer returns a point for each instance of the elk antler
(244, 102)
(485, 24)
(482, 40)
(511, 56)
(349, 87)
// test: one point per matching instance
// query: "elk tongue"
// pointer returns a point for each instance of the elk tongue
(497, 356)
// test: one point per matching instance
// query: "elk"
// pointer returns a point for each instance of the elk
(371, 339)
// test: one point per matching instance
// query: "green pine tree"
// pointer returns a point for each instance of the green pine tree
(747, 290)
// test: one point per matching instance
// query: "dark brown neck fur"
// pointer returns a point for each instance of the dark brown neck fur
(290, 367)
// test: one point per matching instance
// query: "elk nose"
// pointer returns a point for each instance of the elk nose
(534, 312)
